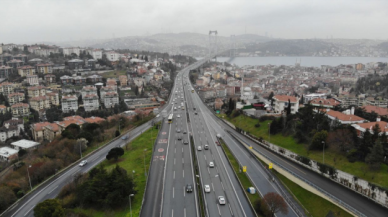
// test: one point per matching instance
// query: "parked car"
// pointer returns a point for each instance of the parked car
(83, 163)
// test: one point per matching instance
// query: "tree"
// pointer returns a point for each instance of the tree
(275, 203)
(271, 95)
(7, 197)
(318, 140)
(342, 140)
(117, 133)
(49, 208)
(115, 153)
(288, 107)
(376, 156)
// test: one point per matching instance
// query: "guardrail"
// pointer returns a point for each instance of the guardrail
(337, 200)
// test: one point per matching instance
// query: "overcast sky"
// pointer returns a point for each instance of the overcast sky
(26, 21)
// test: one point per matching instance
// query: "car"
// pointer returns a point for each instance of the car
(199, 148)
(189, 188)
(179, 137)
(125, 137)
(184, 132)
(217, 143)
(185, 142)
(83, 163)
(206, 147)
(178, 130)
(174, 108)
(207, 188)
(157, 116)
(178, 116)
(221, 200)
(195, 113)
(211, 164)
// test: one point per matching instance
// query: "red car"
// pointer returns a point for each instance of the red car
(218, 143)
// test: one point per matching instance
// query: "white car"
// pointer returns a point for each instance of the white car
(199, 148)
(211, 164)
(178, 116)
(221, 200)
(83, 163)
(207, 188)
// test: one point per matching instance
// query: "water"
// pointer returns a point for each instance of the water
(305, 61)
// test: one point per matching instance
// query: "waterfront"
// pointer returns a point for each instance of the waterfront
(305, 61)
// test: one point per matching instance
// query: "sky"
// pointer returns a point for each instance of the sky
(28, 21)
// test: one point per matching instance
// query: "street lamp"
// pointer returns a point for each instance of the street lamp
(130, 207)
(80, 150)
(29, 179)
(145, 173)
(323, 153)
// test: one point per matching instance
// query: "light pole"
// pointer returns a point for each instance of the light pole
(80, 150)
(130, 206)
(269, 131)
(29, 179)
(323, 153)
(145, 173)
(119, 124)
(133, 172)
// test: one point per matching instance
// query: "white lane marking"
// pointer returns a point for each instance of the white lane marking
(183, 160)
(204, 157)
(173, 192)
(175, 151)
(184, 192)
(230, 208)
(184, 212)
(174, 174)
(222, 186)
(213, 186)
(208, 170)
(174, 161)
(219, 211)
(172, 213)
(53, 189)
(29, 210)
(183, 173)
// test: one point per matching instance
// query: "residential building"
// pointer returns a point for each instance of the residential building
(37, 130)
(94, 78)
(24, 144)
(111, 82)
(8, 154)
(123, 80)
(66, 79)
(7, 88)
(14, 98)
(11, 128)
(105, 90)
(75, 64)
(75, 119)
(44, 68)
(36, 91)
(325, 103)
(79, 80)
(343, 118)
(23, 71)
(218, 104)
(91, 102)
(110, 99)
(53, 98)
(20, 109)
(383, 112)
(143, 104)
(3, 109)
(69, 50)
(35, 61)
(90, 64)
(112, 56)
(361, 128)
(69, 103)
(15, 63)
(50, 131)
(96, 54)
(32, 80)
(39, 103)
(93, 119)
(281, 103)
(50, 78)
(5, 71)
(88, 90)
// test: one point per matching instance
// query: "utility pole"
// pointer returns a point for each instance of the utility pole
(29, 179)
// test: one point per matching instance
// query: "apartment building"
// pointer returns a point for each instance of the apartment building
(23, 71)
(20, 109)
(3, 109)
(123, 80)
(91, 102)
(105, 90)
(112, 56)
(96, 54)
(50, 131)
(44, 68)
(111, 82)
(110, 99)
(7, 88)
(11, 128)
(281, 103)
(53, 98)
(39, 103)
(32, 79)
(69, 103)
(15, 63)
(88, 90)
(50, 79)
(36, 91)
(14, 98)
(5, 71)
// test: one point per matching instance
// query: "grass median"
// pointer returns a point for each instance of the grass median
(134, 159)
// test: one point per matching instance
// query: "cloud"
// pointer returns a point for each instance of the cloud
(63, 20)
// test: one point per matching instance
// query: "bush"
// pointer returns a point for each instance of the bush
(266, 117)
(257, 125)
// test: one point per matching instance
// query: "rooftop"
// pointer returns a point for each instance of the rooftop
(25, 143)
(6, 151)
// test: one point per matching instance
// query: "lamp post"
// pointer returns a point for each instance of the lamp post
(29, 179)
(323, 153)
(130, 206)
(80, 150)
(119, 124)
(145, 173)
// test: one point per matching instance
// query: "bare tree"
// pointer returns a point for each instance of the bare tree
(275, 203)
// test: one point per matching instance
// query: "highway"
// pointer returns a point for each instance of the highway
(357, 201)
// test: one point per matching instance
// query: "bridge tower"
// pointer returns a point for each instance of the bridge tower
(213, 42)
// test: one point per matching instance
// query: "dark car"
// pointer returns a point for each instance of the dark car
(185, 142)
(189, 188)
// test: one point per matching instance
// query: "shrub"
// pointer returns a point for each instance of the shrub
(257, 125)
(266, 117)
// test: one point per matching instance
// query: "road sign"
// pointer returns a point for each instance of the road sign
(270, 165)
(244, 169)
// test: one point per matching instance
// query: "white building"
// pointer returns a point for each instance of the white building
(69, 103)
(24, 144)
(105, 90)
(91, 102)
(281, 103)
(7, 154)
(69, 50)
(112, 56)
(33, 79)
(110, 99)
(88, 90)
(96, 54)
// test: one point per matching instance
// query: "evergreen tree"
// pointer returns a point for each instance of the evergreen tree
(376, 156)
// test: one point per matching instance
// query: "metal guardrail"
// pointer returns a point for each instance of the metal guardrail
(337, 200)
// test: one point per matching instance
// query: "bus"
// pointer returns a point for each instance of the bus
(170, 118)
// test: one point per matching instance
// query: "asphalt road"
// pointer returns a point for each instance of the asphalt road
(51, 188)
(220, 178)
